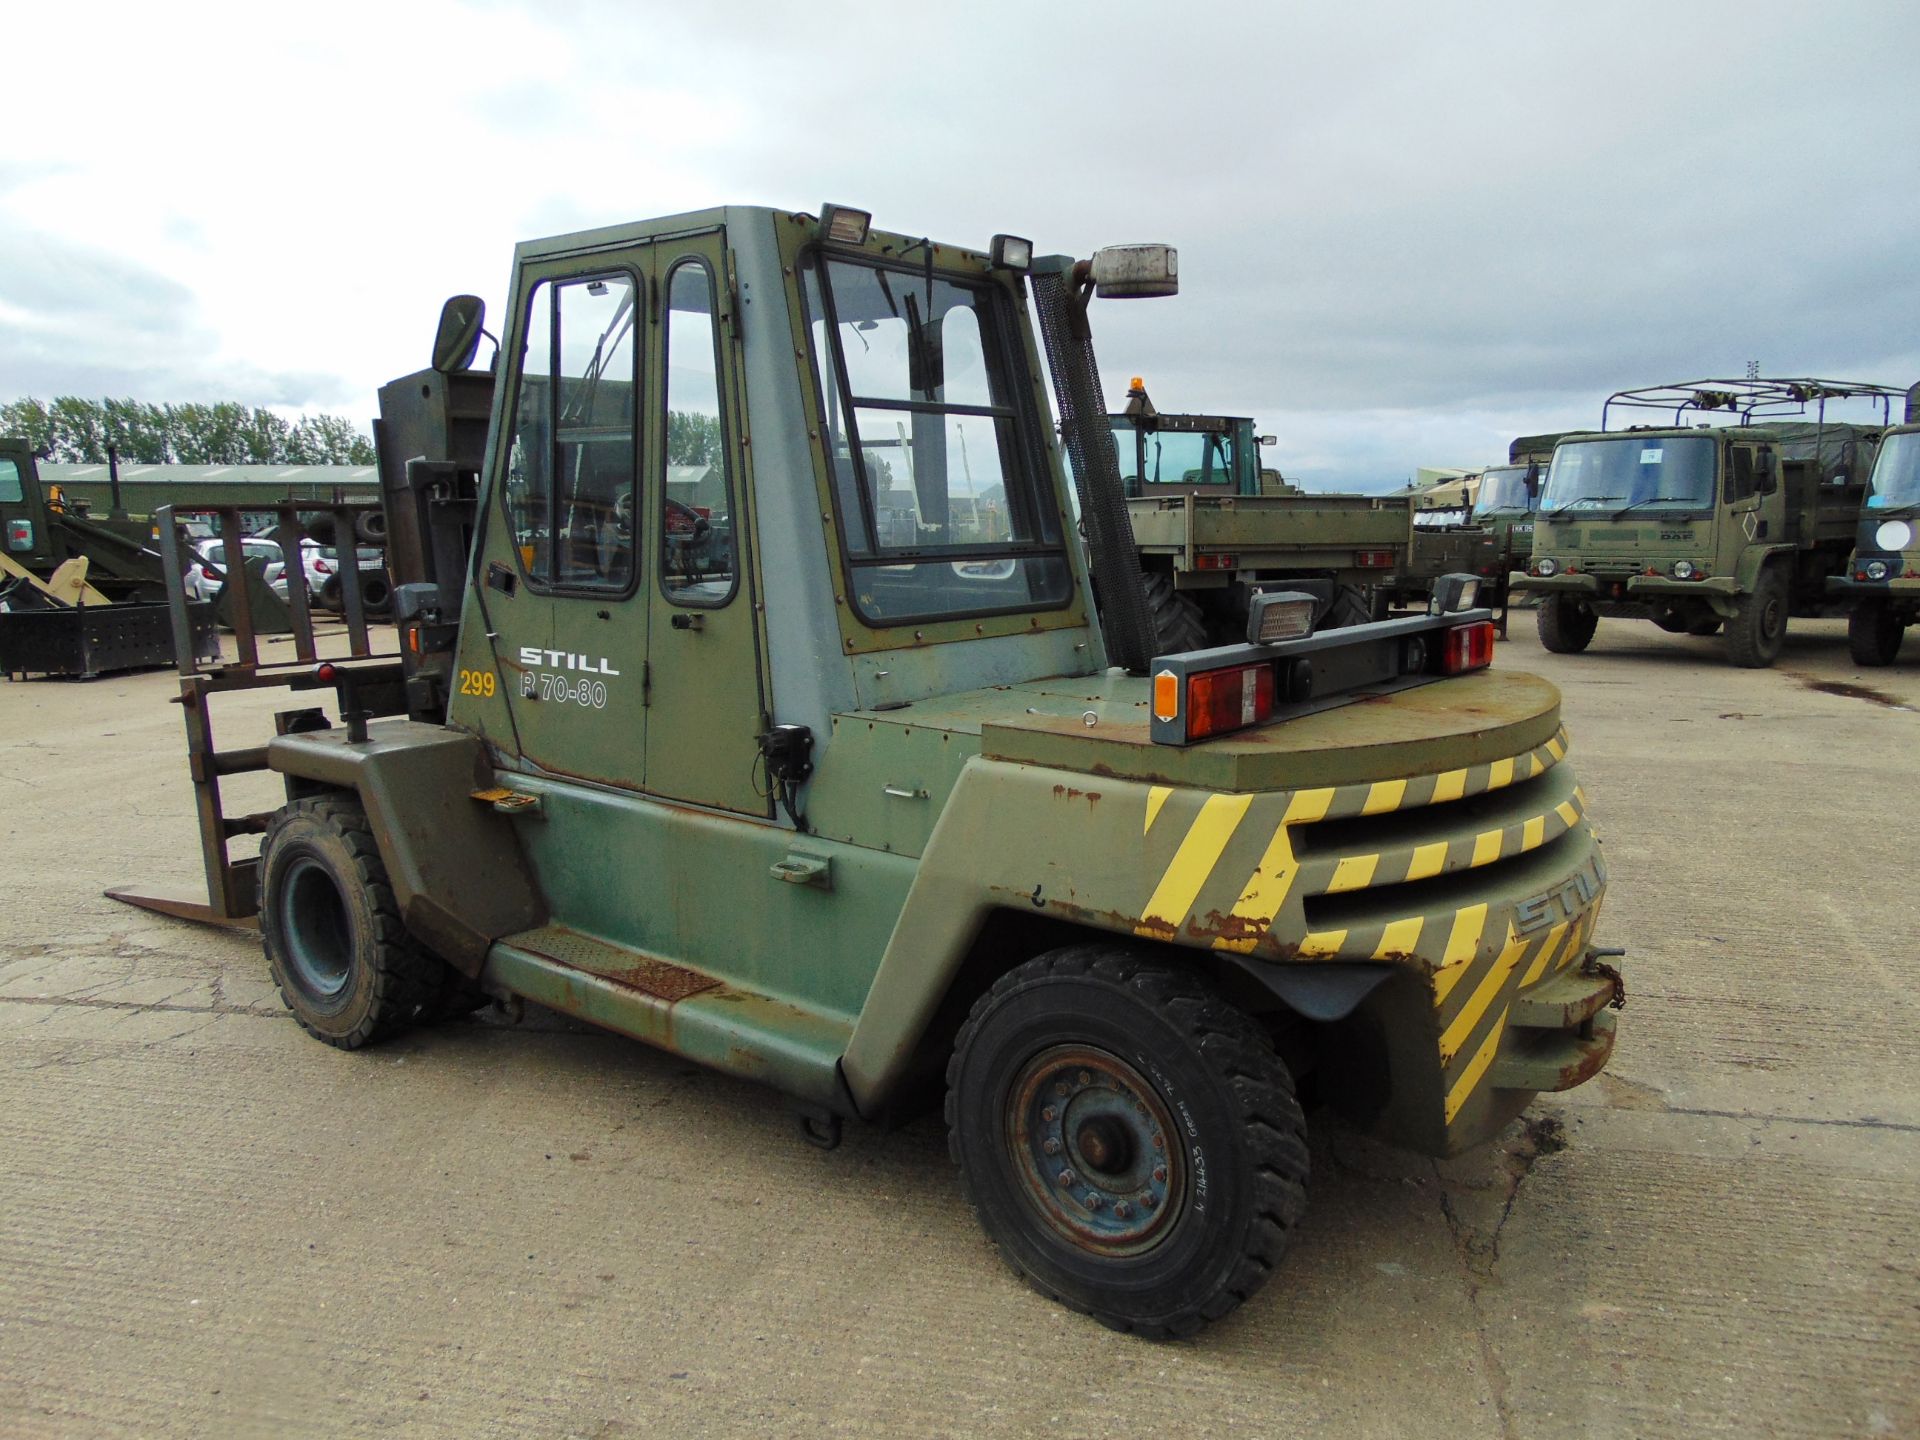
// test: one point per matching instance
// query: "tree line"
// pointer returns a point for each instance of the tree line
(78, 432)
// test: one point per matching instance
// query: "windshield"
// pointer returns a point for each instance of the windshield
(1505, 489)
(1173, 457)
(1652, 472)
(939, 478)
(1896, 474)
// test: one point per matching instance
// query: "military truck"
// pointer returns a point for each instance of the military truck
(1694, 526)
(885, 814)
(1881, 583)
(1481, 525)
(1214, 528)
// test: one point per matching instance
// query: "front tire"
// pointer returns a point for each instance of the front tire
(345, 964)
(1873, 633)
(1758, 628)
(1127, 1138)
(1566, 624)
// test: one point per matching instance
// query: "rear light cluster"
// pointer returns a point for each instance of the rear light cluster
(1205, 703)
(1373, 559)
(20, 535)
(1215, 562)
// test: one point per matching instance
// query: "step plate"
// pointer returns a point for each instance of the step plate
(659, 978)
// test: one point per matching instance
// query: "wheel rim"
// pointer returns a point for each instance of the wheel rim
(314, 928)
(1770, 618)
(1095, 1150)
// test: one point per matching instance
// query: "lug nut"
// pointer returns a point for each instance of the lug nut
(1160, 1173)
(1066, 1179)
(1060, 1088)
(1092, 1202)
(1121, 1210)
(1159, 1142)
(1149, 1201)
(1048, 1114)
(1086, 1077)
(1051, 1146)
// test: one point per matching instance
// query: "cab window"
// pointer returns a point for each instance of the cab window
(569, 490)
(10, 491)
(940, 480)
(697, 532)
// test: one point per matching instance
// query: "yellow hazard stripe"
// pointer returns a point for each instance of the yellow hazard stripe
(1533, 832)
(1384, 795)
(1266, 890)
(1450, 786)
(1486, 847)
(1427, 860)
(1484, 995)
(1501, 773)
(1557, 747)
(1400, 939)
(1567, 811)
(1463, 943)
(1321, 943)
(1156, 797)
(1476, 1067)
(1353, 873)
(1547, 949)
(1192, 863)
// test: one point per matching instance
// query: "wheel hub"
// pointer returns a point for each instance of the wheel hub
(1094, 1149)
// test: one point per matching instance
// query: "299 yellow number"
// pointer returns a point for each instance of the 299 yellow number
(477, 682)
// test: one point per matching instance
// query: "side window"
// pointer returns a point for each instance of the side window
(1740, 474)
(10, 491)
(697, 531)
(569, 491)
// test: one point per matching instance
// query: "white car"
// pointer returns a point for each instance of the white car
(208, 571)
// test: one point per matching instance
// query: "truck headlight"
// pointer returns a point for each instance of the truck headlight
(1876, 569)
(1545, 565)
(1682, 570)
(1894, 535)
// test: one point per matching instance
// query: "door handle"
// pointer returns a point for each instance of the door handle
(684, 621)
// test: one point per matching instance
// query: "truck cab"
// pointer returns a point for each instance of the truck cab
(23, 517)
(1698, 526)
(786, 734)
(1881, 582)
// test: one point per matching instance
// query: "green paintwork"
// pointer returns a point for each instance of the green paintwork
(974, 775)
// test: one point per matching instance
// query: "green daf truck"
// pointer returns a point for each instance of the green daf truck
(858, 791)
(1695, 526)
(1213, 528)
(1881, 583)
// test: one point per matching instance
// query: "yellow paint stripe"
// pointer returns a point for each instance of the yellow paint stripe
(1470, 1077)
(1486, 847)
(1266, 889)
(1193, 862)
(1401, 938)
(1355, 872)
(1427, 860)
(1547, 948)
(1484, 995)
(1533, 832)
(1557, 747)
(1580, 794)
(1500, 773)
(1534, 764)
(1463, 943)
(1450, 786)
(1567, 811)
(1577, 942)
(1321, 943)
(1156, 797)
(1384, 795)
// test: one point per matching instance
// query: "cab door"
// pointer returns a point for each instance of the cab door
(704, 646)
(554, 671)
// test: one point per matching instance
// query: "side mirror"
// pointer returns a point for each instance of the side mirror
(1135, 272)
(1269, 440)
(458, 338)
(1766, 475)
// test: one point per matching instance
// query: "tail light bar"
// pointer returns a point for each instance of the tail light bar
(1373, 559)
(1207, 693)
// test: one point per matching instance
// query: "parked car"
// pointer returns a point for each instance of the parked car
(208, 572)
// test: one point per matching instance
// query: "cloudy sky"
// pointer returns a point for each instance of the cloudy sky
(1407, 231)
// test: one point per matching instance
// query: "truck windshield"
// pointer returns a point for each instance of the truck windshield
(1651, 472)
(1173, 457)
(1505, 489)
(939, 478)
(1896, 474)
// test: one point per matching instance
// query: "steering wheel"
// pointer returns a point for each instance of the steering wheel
(687, 524)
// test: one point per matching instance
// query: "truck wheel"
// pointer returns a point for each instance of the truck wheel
(1178, 625)
(345, 965)
(1873, 633)
(1349, 607)
(1566, 624)
(1759, 627)
(1127, 1138)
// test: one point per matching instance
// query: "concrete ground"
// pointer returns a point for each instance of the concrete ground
(209, 1224)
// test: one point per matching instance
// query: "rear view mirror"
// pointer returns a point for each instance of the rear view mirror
(462, 319)
(1269, 440)
(1129, 272)
(1766, 478)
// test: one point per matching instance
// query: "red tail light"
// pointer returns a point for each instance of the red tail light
(320, 567)
(1214, 562)
(1230, 699)
(1467, 647)
(1373, 559)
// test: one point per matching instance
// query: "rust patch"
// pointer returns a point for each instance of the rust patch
(1067, 792)
(662, 979)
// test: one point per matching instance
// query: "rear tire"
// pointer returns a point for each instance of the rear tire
(1178, 625)
(1165, 1112)
(345, 964)
(1566, 624)
(1349, 607)
(1873, 633)
(1759, 627)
